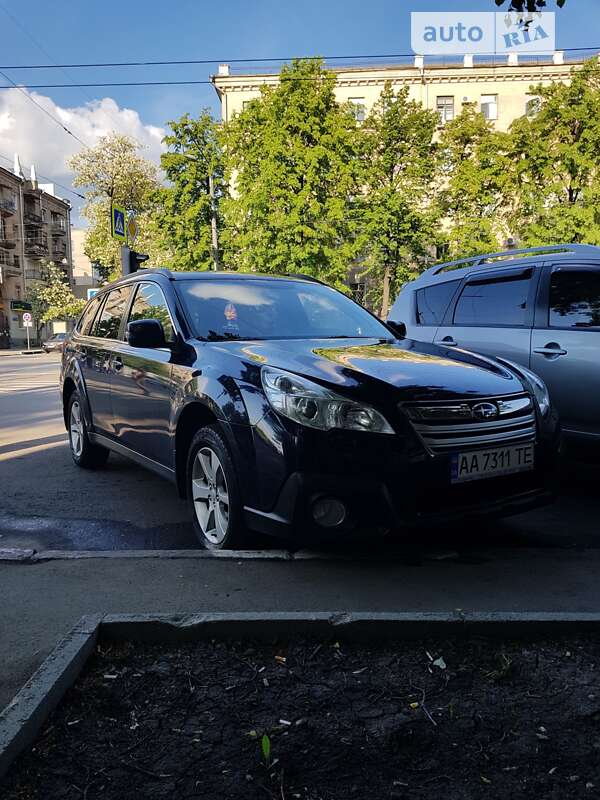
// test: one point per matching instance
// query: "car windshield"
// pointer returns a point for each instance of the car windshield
(274, 309)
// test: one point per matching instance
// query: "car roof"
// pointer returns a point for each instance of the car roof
(206, 275)
(455, 270)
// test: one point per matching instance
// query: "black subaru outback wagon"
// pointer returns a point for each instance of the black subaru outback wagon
(278, 405)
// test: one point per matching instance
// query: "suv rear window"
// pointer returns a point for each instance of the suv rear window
(575, 299)
(109, 322)
(433, 301)
(496, 301)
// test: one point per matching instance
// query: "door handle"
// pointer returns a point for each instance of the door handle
(448, 341)
(117, 364)
(551, 349)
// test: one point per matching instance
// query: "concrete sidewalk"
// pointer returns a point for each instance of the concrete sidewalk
(41, 601)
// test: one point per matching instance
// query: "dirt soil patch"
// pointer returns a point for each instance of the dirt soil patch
(456, 719)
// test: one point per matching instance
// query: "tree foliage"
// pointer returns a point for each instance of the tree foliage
(398, 216)
(113, 171)
(184, 208)
(51, 297)
(556, 154)
(474, 181)
(292, 160)
(527, 5)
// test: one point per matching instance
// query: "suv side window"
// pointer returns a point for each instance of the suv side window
(109, 322)
(150, 303)
(575, 299)
(87, 318)
(502, 300)
(433, 301)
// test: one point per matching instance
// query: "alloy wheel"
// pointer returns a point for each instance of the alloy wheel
(210, 495)
(76, 430)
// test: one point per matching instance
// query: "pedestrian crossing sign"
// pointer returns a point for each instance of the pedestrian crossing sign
(117, 223)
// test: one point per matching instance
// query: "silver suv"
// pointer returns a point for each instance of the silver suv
(538, 307)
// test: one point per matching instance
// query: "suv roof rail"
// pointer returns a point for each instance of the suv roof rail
(301, 276)
(475, 261)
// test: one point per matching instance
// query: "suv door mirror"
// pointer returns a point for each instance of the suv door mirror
(397, 328)
(146, 333)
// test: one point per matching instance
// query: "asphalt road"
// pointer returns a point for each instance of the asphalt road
(46, 502)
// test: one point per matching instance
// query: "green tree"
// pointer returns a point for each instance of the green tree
(398, 216)
(51, 297)
(474, 183)
(113, 171)
(556, 153)
(185, 208)
(292, 162)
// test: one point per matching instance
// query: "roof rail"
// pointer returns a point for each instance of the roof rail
(476, 261)
(301, 276)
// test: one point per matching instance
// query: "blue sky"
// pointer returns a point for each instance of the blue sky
(134, 30)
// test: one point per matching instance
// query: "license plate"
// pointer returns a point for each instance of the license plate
(480, 464)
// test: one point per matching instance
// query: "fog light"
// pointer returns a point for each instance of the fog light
(328, 512)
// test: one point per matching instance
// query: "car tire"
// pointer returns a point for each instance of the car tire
(213, 493)
(83, 452)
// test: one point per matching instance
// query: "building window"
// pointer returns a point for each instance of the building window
(489, 106)
(532, 106)
(445, 108)
(360, 110)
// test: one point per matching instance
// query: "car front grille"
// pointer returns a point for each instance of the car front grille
(473, 424)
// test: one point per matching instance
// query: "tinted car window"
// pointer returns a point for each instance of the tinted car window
(274, 309)
(502, 301)
(109, 321)
(87, 318)
(433, 301)
(575, 299)
(150, 303)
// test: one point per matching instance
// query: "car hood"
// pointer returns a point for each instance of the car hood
(411, 370)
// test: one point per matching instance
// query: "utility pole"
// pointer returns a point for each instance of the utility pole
(213, 222)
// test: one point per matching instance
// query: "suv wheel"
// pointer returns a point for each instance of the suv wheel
(213, 492)
(84, 453)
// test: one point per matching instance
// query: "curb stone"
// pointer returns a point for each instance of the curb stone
(16, 554)
(23, 718)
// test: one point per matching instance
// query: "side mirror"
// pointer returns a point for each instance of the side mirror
(397, 328)
(147, 333)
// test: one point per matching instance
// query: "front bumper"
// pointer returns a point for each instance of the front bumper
(416, 494)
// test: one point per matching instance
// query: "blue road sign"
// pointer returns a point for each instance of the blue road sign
(117, 223)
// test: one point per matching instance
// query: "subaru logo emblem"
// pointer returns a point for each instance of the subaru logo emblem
(485, 411)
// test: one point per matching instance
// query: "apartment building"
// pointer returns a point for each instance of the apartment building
(85, 277)
(35, 228)
(501, 90)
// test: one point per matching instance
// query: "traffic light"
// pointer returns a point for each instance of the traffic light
(131, 261)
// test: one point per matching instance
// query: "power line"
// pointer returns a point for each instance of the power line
(116, 83)
(46, 178)
(43, 50)
(46, 112)
(188, 62)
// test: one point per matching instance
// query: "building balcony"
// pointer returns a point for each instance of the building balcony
(7, 206)
(32, 218)
(58, 226)
(36, 248)
(7, 244)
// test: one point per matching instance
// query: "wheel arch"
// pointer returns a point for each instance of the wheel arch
(193, 416)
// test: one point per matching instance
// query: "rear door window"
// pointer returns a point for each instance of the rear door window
(86, 320)
(502, 300)
(433, 301)
(108, 323)
(575, 299)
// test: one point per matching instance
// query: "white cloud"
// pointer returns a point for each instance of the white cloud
(26, 130)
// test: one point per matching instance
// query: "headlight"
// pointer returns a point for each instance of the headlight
(538, 387)
(310, 404)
